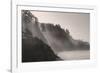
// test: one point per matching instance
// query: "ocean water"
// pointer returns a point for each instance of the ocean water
(74, 55)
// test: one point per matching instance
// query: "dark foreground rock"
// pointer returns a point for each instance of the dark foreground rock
(42, 41)
(35, 50)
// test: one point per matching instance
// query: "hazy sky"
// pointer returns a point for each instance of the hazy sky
(76, 23)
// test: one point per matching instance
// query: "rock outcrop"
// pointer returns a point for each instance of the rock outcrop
(34, 47)
(43, 41)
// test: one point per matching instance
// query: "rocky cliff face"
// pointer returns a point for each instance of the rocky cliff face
(57, 38)
(60, 39)
(51, 39)
(35, 50)
(30, 24)
(34, 45)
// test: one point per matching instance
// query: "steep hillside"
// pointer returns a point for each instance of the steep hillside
(44, 41)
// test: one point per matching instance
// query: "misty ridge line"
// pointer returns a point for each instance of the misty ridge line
(34, 46)
(48, 41)
(54, 35)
